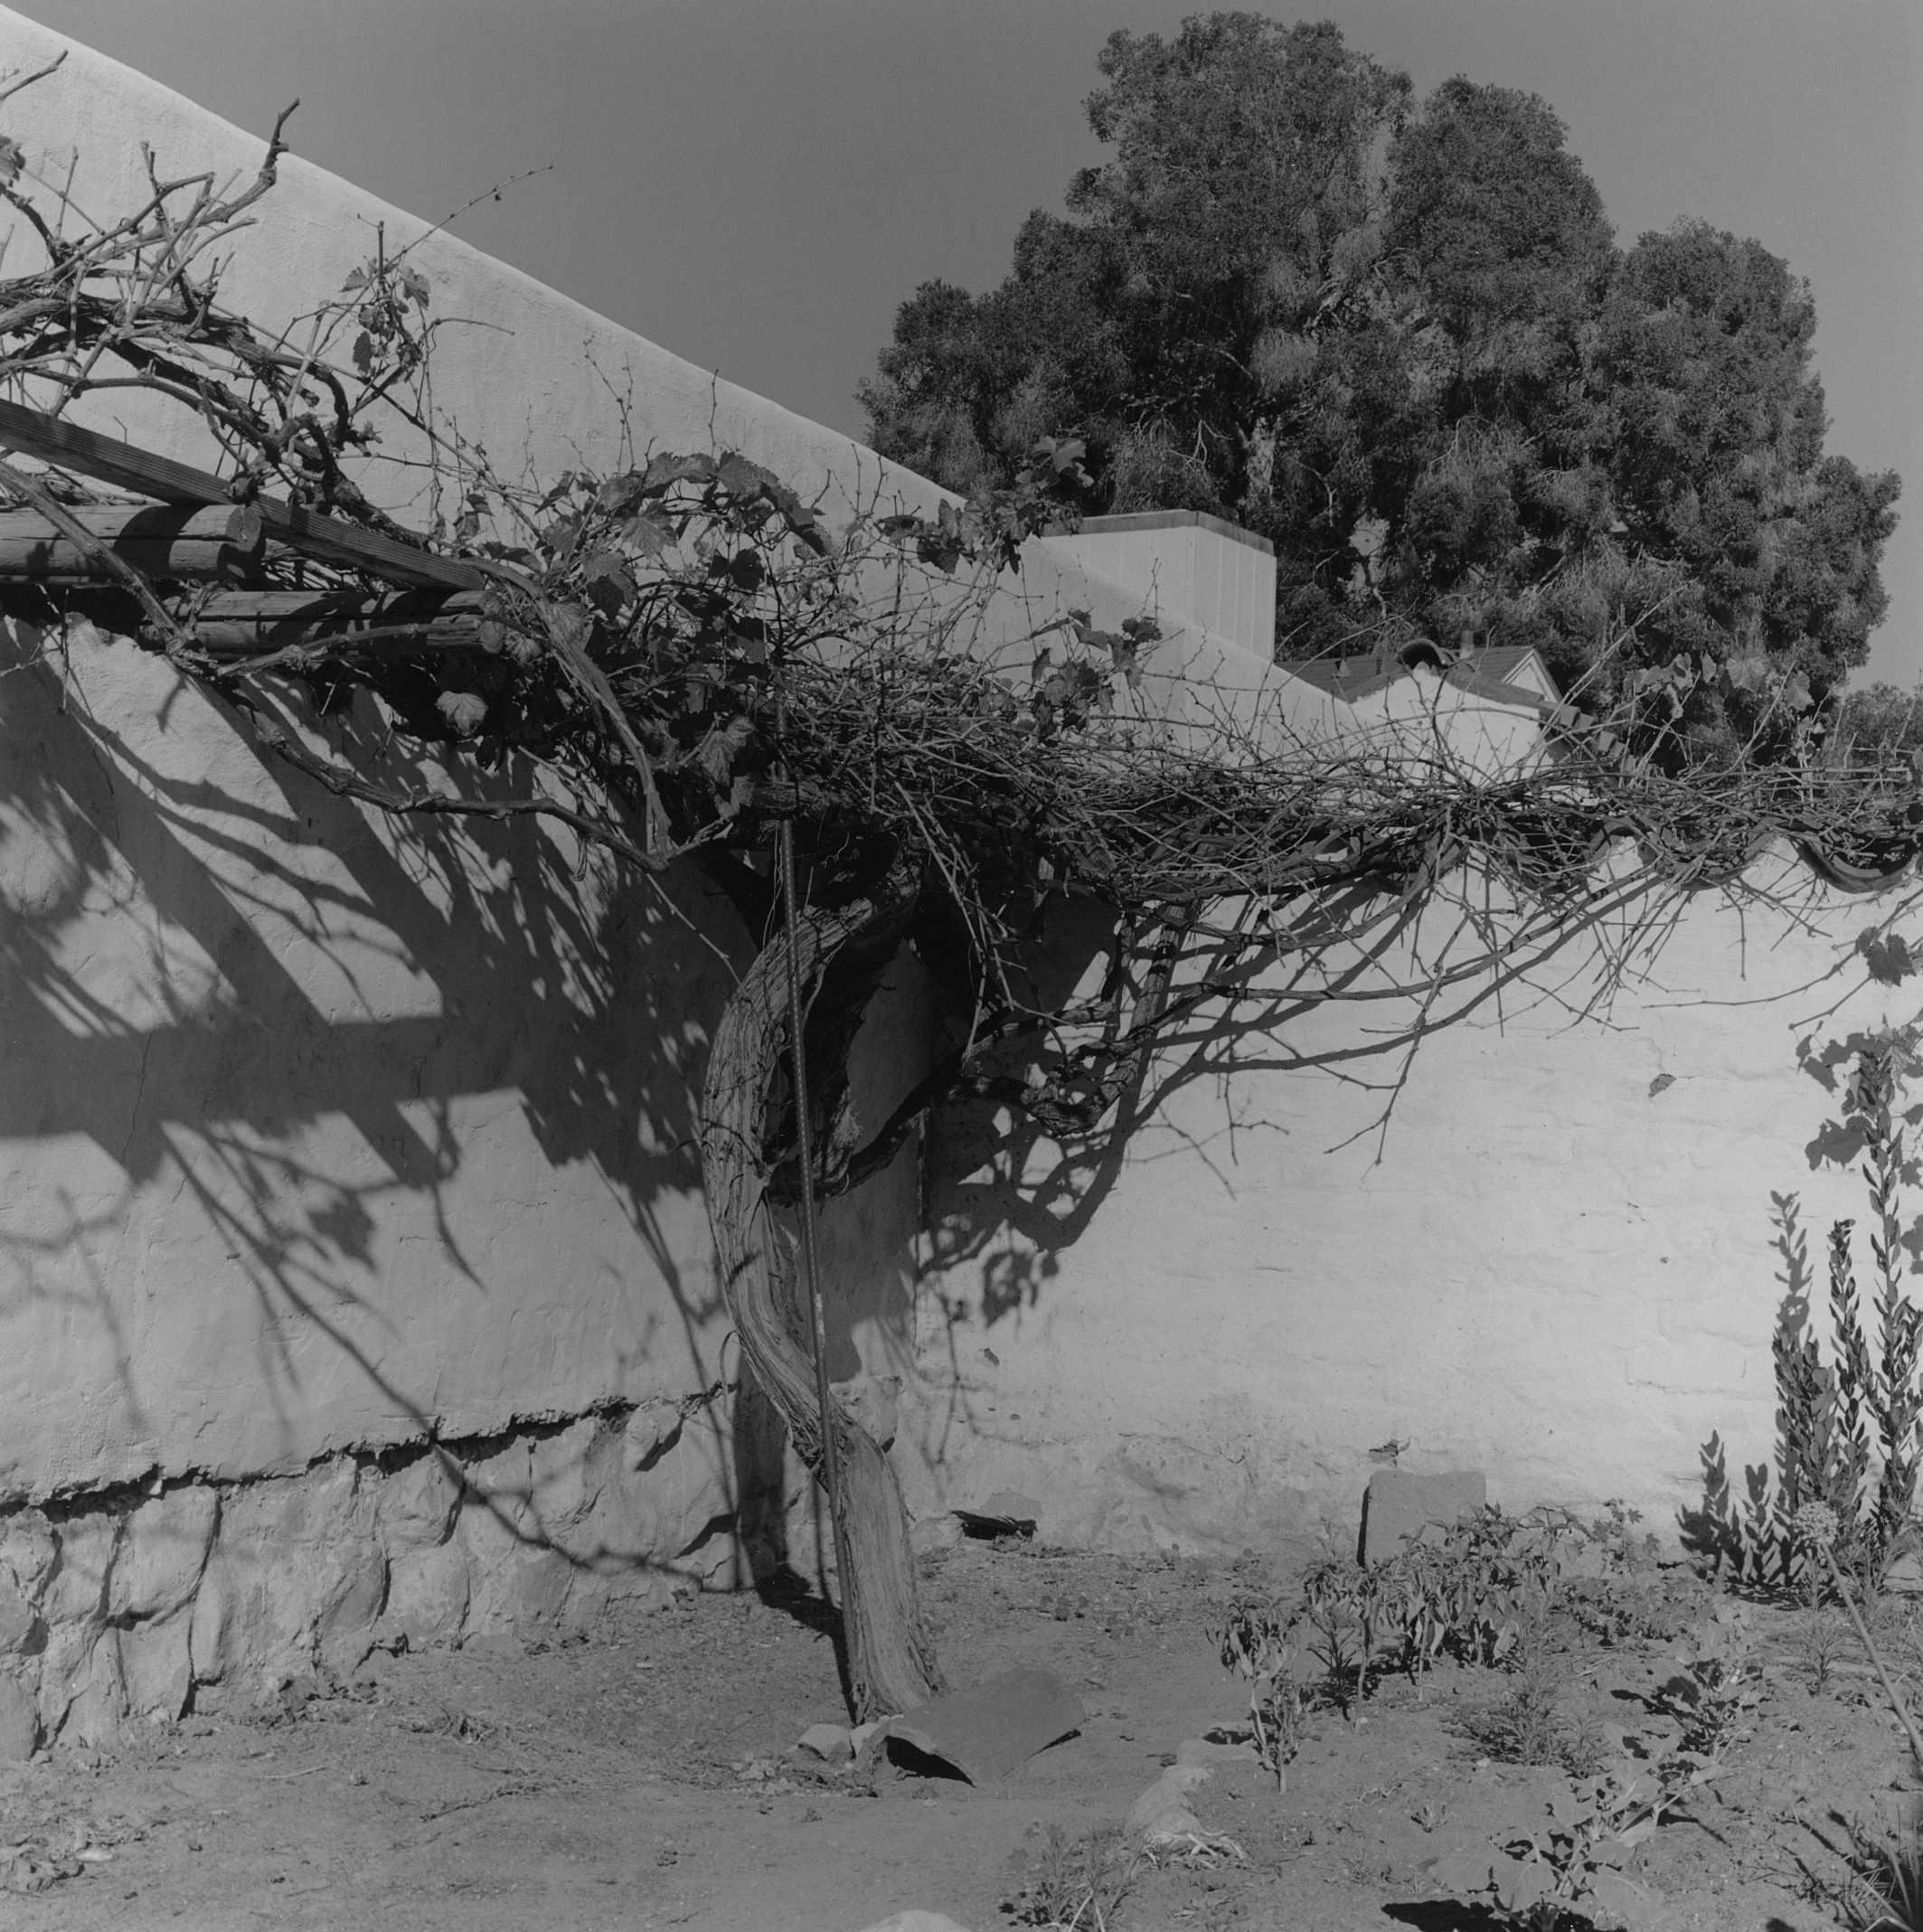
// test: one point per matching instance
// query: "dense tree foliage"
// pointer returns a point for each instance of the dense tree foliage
(1403, 344)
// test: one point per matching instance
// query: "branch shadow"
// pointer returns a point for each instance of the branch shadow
(255, 1043)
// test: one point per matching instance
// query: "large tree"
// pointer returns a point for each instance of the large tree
(1404, 347)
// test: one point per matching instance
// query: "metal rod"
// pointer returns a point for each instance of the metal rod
(818, 1319)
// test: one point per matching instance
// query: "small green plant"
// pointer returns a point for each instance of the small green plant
(1076, 1884)
(1483, 1591)
(1341, 1609)
(1821, 1637)
(1613, 1585)
(1531, 1724)
(1714, 1692)
(1572, 1869)
(1527, 1725)
(1582, 1746)
(1572, 1866)
(1255, 1643)
(1472, 1591)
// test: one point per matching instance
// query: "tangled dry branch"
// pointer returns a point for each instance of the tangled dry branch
(667, 657)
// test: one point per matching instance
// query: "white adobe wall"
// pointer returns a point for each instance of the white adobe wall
(1427, 718)
(317, 1134)
(1189, 568)
(314, 1139)
(319, 1140)
(1554, 1264)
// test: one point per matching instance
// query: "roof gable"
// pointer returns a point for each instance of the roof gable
(1512, 673)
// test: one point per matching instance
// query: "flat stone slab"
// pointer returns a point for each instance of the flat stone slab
(1398, 1505)
(988, 1731)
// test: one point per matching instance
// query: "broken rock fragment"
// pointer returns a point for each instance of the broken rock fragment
(829, 1742)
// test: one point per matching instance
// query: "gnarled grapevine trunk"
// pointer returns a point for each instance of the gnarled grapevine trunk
(890, 1658)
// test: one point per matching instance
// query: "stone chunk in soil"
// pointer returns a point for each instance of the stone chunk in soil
(829, 1742)
(1399, 1505)
(917, 1921)
(1162, 1812)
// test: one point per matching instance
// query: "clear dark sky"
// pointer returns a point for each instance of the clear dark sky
(756, 184)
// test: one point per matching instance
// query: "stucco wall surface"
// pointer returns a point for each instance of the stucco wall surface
(317, 1134)
(1552, 1261)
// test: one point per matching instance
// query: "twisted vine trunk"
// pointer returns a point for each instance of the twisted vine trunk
(842, 951)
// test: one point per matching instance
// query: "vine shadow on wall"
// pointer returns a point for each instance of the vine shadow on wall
(586, 997)
(1006, 1199)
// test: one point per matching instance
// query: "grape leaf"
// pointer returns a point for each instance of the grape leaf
(463, 710)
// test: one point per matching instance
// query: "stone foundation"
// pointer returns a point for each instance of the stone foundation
(205, 1594)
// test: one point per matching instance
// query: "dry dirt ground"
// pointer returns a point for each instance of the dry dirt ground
(601, 1784)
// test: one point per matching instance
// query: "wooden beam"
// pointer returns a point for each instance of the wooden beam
(126, 467)
(165, 543)
(241, 623)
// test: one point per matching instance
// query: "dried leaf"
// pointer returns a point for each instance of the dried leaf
(11, 160)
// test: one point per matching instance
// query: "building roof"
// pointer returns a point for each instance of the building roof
(1491, 674)
(1098, 526)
